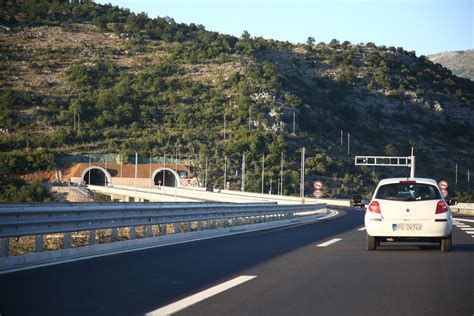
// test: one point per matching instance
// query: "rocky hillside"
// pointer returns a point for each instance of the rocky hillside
(461, 63)
(80, 77)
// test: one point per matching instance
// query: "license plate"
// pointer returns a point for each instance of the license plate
(406, 227)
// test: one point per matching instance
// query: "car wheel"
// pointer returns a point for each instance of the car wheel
(370, 242)
(447, 244)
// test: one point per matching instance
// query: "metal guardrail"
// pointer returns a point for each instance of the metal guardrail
(38, 220)
(463, 209)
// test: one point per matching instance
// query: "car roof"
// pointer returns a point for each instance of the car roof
(418, 180)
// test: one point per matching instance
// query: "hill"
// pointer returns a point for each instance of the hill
(461, 63)
(80, 77)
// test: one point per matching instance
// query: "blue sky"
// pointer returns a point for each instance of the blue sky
(426, 26)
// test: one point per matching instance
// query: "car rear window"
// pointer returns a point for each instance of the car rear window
(408, 192)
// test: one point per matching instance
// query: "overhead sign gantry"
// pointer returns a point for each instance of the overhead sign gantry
(388, 161)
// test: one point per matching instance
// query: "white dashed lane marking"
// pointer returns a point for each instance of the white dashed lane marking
(329, 242)
(361, 229)
(201, 296)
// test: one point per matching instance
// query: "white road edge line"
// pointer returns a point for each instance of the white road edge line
(330, 242)
(361, 229)
(465, 220)
(200, 296)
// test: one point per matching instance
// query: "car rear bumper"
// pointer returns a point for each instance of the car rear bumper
(391, 228)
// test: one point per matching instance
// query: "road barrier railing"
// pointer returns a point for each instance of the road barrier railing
(140, 220)
(463, 209)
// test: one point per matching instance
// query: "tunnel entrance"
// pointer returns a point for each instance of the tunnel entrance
(168, 176)
(97, 176)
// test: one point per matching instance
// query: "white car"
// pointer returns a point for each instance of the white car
(408, 209)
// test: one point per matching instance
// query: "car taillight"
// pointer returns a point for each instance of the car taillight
(441, 207)
(374, 207)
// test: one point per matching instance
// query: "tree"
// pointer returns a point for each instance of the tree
(245, 35)
(391, 150)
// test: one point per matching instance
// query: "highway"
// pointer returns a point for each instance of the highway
(319, 268)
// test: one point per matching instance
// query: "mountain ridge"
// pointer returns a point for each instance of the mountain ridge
(461, 63)
(99, 78)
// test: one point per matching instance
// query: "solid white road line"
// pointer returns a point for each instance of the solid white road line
(201, 296)
(465, 220)
(330, 242)
(361, 229)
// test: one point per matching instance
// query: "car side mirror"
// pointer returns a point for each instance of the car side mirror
(452, 202)
(365, 202)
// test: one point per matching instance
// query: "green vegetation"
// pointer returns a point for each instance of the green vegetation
(109, 80)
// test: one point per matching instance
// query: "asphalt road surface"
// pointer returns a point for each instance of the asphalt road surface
(320, 268)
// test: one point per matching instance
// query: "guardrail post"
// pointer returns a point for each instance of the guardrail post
(67, 240)
(149, 231)
(92, 237)
(132, 232)
(114, 234)
(209, 224)
(223, 223)
(5, 251)
(199, 225)
(188, 227)
(39, 243)
(162, 229)
(233, 221)
(176, 228)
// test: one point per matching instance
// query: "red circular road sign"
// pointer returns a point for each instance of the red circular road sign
(444, 192)
(443, 184)
(318, 185)
(318, 194)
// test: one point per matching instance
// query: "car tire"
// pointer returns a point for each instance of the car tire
(370, 242)
(447, 244)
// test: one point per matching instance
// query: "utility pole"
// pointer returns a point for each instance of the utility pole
(136, 171)
(468, 180)
(225, 124)
(302, 173)
(225, 172)
(348, 143)
(177, 179)
(342, 134)
(74, 129)
(121, 168)
(263, 173)
(105, 173)
(205, 175)
(78, 123)
(456, 173)
(243, 173)
(281, 175)
(250, 113)
(90, 160)
(150, 173)
(164, 175)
